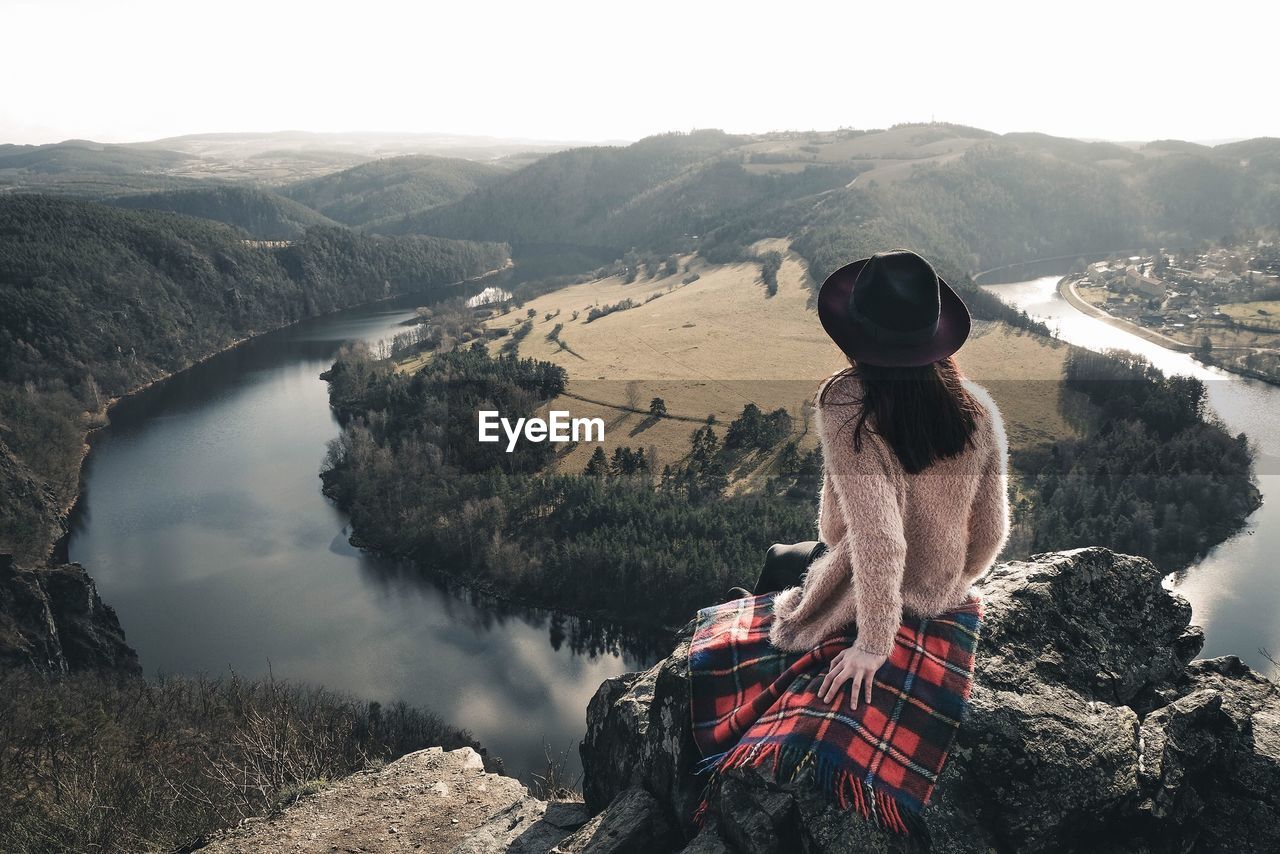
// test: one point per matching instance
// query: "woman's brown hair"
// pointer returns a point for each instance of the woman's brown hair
(923, 413)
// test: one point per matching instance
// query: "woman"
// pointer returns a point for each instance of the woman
(913, 509)
(914, 502)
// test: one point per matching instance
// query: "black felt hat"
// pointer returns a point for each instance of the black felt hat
(892, 309)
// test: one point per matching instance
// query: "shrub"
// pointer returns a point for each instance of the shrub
(95, 762)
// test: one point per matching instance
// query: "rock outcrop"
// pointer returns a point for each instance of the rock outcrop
(1091, 729)
(53, 621)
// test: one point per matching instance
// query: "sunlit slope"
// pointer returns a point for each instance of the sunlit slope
(712, 346)
(392, 187)
(967, 198)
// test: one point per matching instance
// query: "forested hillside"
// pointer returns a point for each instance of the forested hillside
(74, 156)
(569, 196)
(103, 300)
(998, 203)
(1156, 475)
(408, 470)
(1027, 196)
(92, 170)
(385, 189)
(261, 214)
(967, 198)
(98, 301)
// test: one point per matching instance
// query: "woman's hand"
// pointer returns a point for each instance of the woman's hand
(851, 665)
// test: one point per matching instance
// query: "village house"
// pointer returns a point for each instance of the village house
(1137, 281)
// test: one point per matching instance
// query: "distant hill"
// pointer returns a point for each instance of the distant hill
(91, 169)
(262, 215)
(84, 156)
(1264, 145)
(100, 300)
(267, 160)
(998, 202)
(715, 196)
(1022, 196)
(1074, 150)
(568, 197)
(1176, 145)
(968, 198)
(367, 145)
(383, 189)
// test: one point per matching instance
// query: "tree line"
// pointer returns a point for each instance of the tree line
(1152, 476)
(408, 469)
(98, 301)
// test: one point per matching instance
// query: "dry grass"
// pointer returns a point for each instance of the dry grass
(1023, 372)
(1264, 313)
(886, 172)
(95, 762)
(706, 348)
(710, 347)
(892, 154)
(1267, 311)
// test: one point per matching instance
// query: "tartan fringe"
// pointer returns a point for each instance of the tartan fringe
(846, 790)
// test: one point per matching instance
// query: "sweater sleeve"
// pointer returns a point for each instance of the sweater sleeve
(989, 516)
(868, 494)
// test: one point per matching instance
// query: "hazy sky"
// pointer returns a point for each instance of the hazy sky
(121, 70)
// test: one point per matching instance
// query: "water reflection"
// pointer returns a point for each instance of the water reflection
(484, 613)
(1233, 590)
(204, 525)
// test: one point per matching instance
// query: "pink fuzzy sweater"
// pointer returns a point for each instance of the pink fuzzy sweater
(896, 541)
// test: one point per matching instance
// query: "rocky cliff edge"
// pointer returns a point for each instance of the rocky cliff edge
(1091, 728)
(53, 621)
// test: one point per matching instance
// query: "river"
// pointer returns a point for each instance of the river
(1234, 590)
(203, 524)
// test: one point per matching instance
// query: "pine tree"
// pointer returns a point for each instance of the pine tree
(598, 465)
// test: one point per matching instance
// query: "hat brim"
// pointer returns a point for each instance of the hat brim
(833, 311)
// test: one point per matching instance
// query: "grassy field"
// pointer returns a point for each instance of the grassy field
(1264, 312)
(713, 345)
(890, 154)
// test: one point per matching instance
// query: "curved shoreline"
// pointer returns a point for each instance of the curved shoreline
(1075, 256)
(1067, 290)
(59, 550)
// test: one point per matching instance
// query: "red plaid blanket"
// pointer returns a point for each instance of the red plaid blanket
(756, 706)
